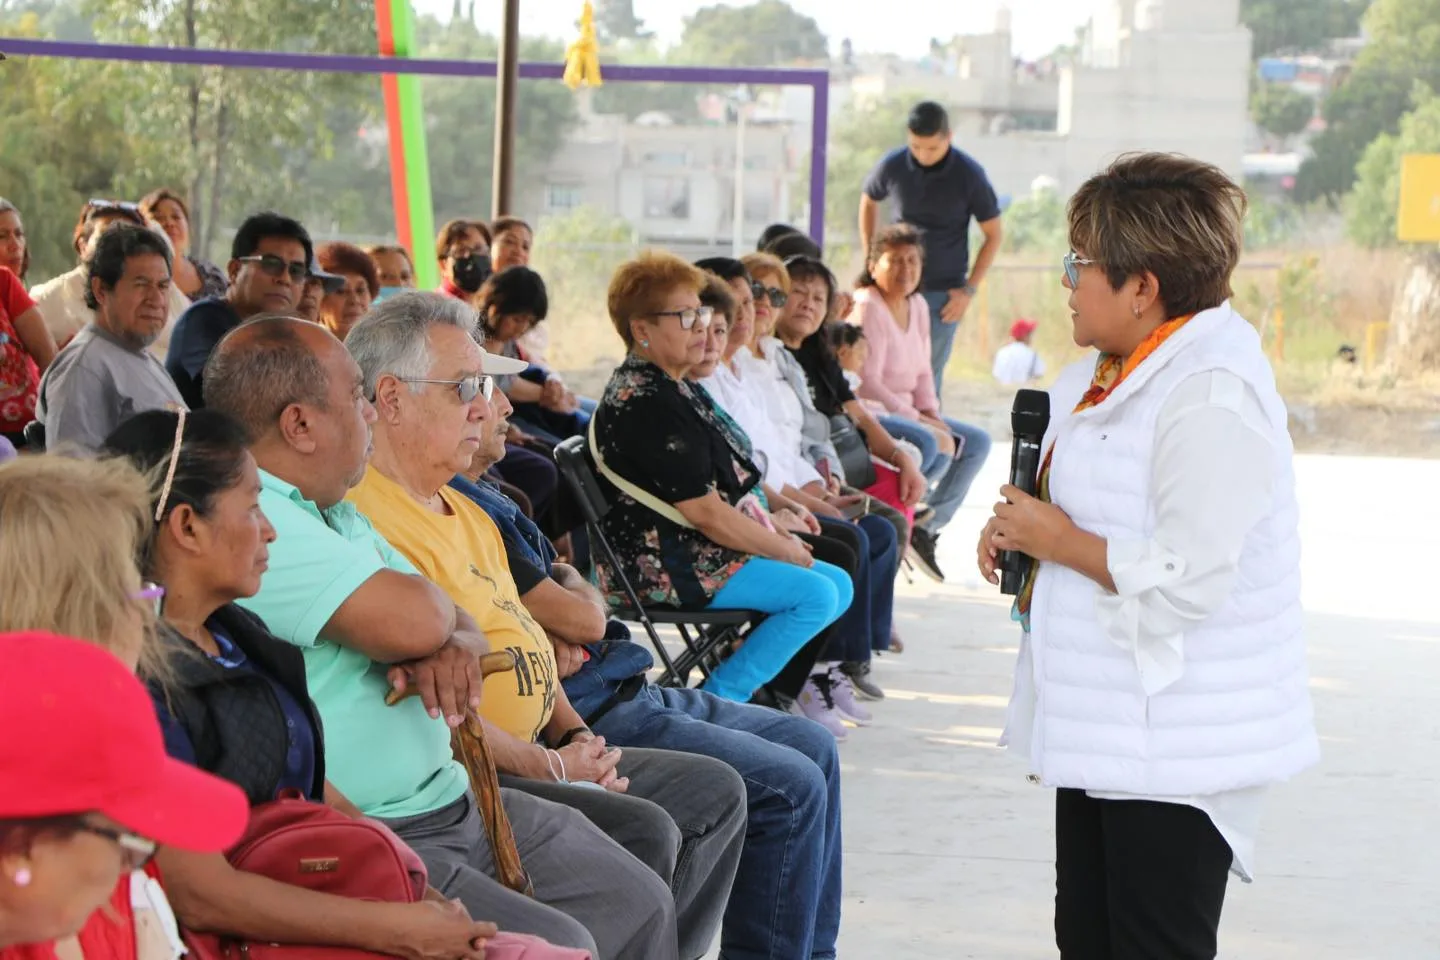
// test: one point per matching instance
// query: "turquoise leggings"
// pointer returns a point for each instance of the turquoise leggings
(799, 603)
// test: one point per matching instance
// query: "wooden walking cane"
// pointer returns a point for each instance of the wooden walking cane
(469, 744)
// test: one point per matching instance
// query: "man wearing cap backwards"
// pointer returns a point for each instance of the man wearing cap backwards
(366, 620)
(1017, 363)
(271, 261)
(88, 792)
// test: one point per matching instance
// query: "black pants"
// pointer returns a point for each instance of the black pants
(1136, 879)
(838, 545)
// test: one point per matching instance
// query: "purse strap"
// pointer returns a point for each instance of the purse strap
(640, 496)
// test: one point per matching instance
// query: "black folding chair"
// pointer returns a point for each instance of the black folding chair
(707, 634)
(34, 434)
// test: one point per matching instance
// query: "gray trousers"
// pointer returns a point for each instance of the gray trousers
(589, 892)
(684, 817)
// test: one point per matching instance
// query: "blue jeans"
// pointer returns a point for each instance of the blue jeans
(785, 904)
(942, 337)
(950, 478)
(866, 625)
(800, 604)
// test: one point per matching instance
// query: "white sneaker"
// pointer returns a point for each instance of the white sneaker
(842, 692)
(817, 701)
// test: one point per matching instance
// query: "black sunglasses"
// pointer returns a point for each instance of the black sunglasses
(777, 297)
(273, 266)
(100, 206)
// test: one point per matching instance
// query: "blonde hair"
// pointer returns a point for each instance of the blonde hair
(71, 534)
(1167, 214)
(762, 263)
(641, 286)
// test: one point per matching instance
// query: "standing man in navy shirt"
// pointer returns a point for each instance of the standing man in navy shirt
(938, 190)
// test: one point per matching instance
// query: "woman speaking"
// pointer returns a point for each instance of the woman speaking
(1161, 683)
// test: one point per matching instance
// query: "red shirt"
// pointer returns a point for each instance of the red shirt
(109, 933)
(19, 376)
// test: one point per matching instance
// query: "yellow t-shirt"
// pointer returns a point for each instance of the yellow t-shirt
(464, 555)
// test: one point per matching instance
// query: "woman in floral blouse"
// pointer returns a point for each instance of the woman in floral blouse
(688, 521)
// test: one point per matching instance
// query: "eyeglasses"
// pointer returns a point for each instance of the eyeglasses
(1073, 262)
(777, 297)
(273, 266)
(136, 850)
(170, 469)
(469, 388)
(152, 592)
(688, 317)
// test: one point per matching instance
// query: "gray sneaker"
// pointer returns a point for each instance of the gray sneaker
(859, 674)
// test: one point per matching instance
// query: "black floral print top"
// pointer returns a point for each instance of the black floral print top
(667, 437)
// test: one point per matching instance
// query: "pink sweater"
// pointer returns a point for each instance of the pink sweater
(897, 370)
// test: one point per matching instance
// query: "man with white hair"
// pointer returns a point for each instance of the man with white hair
(431, 383)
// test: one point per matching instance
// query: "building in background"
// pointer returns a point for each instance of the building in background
(676, 183)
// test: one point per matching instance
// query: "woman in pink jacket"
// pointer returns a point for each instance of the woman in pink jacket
(897, 376)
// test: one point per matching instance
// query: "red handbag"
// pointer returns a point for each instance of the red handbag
(311, 845)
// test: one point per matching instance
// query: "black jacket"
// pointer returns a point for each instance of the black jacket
(233, 718)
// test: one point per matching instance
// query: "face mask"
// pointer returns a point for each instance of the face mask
(471, 272)
(389, 292)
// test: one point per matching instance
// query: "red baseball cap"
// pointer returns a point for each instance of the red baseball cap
(82, 736)
(1022, 328)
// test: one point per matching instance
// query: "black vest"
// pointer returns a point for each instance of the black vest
(233, 717)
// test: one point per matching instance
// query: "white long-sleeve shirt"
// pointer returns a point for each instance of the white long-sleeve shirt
(742, 397)
(1212, 483)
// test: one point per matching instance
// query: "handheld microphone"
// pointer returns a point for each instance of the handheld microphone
(1029, 417)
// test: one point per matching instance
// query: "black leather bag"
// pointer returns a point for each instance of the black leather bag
(854, 452)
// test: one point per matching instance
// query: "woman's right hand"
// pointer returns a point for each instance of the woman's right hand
(796, 551)
(590, 761)
(941, 431)
(436, 930)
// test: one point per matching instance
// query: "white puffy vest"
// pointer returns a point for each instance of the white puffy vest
(1240, 714)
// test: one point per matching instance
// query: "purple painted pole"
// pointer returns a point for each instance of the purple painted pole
(817, 80)
(819, 140)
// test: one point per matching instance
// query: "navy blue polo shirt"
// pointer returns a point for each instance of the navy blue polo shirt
(197, 332)
(939, 201)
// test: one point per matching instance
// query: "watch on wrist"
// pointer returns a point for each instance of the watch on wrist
(970, 289)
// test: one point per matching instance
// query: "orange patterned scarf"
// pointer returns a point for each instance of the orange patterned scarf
(1110, 371)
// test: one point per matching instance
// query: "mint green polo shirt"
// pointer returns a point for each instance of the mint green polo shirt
(390, 761)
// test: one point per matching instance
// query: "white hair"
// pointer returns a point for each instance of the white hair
(394, 337)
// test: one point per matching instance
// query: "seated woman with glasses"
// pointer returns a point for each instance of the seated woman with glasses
(62, 300)
(70, 531)
(685, 492)
(238, 705)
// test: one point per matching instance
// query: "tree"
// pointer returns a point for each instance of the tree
(460, 119)
(234, 143)
(615, 20)
(1371, 209)
(863, 135)
(63, 138)
(1404, 48)
(768, 33)
(1280, 25)
(1280, 110)
(577, 253)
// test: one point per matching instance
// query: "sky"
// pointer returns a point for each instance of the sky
(905, 27)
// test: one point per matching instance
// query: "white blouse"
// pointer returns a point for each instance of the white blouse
(781, 463)
(1212, 484)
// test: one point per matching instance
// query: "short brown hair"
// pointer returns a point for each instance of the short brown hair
(718, 296)
(501, 224)
(380, 249)
(453, 230)
(758, 263)
(340, 257)
(1167, 214)
(641, 286)
(154, 198)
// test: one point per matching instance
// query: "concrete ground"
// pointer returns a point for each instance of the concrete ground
(949, 850)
